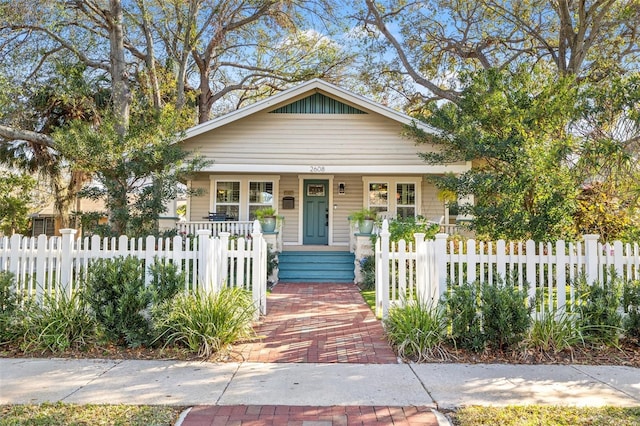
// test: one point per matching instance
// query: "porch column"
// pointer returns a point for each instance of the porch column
(169, 219)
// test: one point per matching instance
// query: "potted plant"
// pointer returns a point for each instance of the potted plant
(365, 219)
(267, 217)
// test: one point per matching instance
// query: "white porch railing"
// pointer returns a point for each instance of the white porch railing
(243, 228)
(48, 265)
(425, 268)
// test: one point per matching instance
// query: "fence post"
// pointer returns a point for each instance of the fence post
(204, 256)
(423, 285)
(66, 260)
(441, 265)
(591, 257)
(259, 275)
(224, 254)
(384, 268)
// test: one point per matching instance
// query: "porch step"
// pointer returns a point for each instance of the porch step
(316, 266)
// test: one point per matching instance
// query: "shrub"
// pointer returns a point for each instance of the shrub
(631, 305)
(10, 312)
(487, 314)
(506, 317)
(208, 323)
(61, 323)
(598, 309)
(403, 229)
(418, 331)
(555, 332)
(463, 315)
(166, 280)
(368, 270)
(118, 298)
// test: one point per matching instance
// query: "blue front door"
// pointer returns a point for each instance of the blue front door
(316, 212)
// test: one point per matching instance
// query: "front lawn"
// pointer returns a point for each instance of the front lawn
(60, 414)
(537, 415)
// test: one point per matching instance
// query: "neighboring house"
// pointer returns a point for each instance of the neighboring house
(47, 222)
(316, 153)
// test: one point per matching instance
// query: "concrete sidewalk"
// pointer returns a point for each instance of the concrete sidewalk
(440, 386)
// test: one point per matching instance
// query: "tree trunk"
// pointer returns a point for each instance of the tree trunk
(119, 75)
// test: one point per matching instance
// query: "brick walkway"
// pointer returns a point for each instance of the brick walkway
(311, 416)
(318, 323)
(314, 323)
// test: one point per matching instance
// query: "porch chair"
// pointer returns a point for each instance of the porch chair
(217, 217)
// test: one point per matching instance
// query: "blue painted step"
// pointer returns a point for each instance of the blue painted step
(316, 266)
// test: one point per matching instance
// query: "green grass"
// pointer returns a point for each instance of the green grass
(537, 415)
(60, 414)
(369, 297)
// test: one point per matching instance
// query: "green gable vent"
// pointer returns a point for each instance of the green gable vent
(317, 104)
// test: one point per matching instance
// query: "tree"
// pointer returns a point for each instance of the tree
(136, 175)
(608, 159)
(513, 128)
(15, 200)
(429, 43)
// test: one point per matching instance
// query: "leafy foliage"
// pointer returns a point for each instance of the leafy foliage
(506, 317)
(207, 324)
(136, 174)
(15, 200)
(61, 323)
(405, 228)
(598, 309)
(513, 128)
(368, 271)
(418, 331)
(631, 305)
(118, 298)
(555, 332)
(485, 314)
(461, 304)
(10, 309)
(166, 280)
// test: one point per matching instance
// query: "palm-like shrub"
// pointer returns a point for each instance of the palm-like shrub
(60, 323)
(208, 324)
(418, 331)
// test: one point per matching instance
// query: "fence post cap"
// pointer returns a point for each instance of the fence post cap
(203, 232)
(442, 236)
(257, 228)
(591, 237)
(67, 231)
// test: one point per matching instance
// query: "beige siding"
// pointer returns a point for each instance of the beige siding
(289, 184)
(199, 205)
(345, 204)
(432, 207)
(292, 139)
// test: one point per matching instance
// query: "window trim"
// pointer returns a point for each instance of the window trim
(243, 209)
(392, 182)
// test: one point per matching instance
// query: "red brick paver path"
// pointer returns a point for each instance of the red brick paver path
(317, 322)
(316, 416)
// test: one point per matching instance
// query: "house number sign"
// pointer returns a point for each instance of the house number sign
(316, 169)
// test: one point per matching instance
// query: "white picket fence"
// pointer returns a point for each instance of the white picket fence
(48, 265)
(424, 269)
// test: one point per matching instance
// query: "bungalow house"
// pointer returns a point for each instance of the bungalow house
(316, 153)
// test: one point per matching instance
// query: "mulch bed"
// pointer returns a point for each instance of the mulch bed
(628, 354)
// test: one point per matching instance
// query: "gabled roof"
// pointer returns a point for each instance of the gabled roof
(315, 85)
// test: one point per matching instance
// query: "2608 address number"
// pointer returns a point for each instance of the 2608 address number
(316, 169)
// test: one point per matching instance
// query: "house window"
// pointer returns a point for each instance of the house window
(379, 197)
(228, 199)
(405, 200)
(260, 196)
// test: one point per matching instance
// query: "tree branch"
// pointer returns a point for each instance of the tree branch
(10, 134)
(419, 79)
